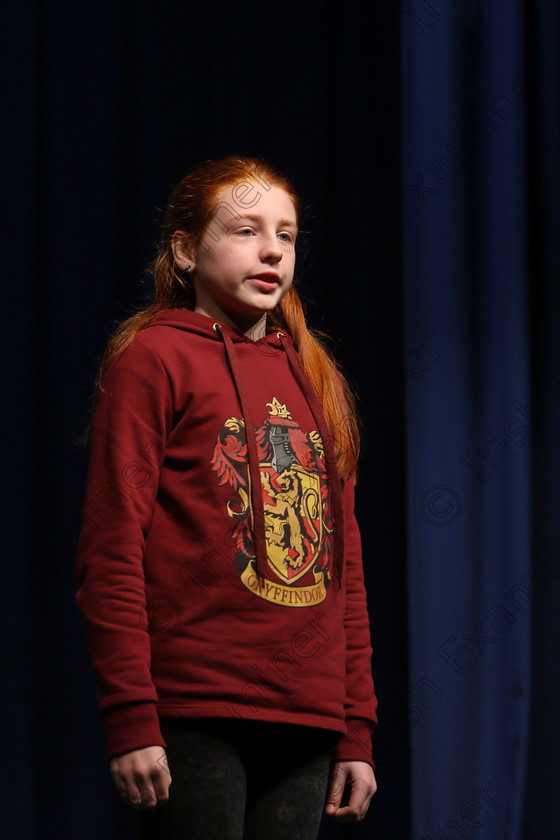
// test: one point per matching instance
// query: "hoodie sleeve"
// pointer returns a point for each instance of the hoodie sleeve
(131, 422)
(361, 702)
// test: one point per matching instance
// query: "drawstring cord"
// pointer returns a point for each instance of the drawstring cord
(330, 456)
(254, 473)
(258, 517)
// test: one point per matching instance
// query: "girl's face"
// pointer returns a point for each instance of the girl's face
(248, 263)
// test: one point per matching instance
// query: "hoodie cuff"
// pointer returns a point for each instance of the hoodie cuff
(356, 745)
(132, 726)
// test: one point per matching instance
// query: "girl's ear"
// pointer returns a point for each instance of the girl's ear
(182, 253)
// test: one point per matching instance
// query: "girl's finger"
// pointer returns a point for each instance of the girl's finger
(336, 790)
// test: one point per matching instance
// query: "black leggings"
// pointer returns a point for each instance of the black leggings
(238, 779)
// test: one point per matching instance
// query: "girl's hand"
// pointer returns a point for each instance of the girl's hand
(359, 777)
(142, 777)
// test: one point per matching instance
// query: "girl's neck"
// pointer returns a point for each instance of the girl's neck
(252, 329)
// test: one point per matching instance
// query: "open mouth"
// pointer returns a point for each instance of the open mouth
(265, 282)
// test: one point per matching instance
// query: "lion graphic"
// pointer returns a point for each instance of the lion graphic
(286, 516)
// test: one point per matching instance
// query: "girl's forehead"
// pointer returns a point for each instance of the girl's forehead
(251, 195)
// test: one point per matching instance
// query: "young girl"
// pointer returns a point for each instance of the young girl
(219, 565)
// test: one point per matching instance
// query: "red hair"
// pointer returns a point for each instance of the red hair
(190, 208)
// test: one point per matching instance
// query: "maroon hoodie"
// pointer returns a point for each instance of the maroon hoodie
(219, 564)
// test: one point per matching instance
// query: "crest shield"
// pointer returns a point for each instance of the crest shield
(293, 519)
(297, 511)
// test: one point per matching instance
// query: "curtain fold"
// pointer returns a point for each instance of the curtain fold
(476, 314)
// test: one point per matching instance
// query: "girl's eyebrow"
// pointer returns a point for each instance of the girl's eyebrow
(255, 218)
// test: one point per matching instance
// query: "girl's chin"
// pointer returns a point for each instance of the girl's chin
(263, 303)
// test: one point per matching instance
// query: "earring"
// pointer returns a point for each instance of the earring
(187, 269)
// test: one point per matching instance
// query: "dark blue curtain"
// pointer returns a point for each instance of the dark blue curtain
(441, 296)
(480, 252)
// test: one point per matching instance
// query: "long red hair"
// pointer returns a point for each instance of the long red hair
(190, 209)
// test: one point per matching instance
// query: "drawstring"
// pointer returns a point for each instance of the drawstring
(330, 455)
(258, 518)
(254, 476)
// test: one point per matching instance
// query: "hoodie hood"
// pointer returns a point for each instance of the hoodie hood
(273, 342)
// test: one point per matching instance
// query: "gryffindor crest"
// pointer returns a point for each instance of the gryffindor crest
(298, 520)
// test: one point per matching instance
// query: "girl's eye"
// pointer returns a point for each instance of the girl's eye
(284, 236)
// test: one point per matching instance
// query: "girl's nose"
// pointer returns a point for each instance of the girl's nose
(271, 247)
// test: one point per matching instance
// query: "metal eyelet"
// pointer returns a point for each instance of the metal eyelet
(278, 334)
(216, 326)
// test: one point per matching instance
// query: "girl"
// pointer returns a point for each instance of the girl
(219, 562)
